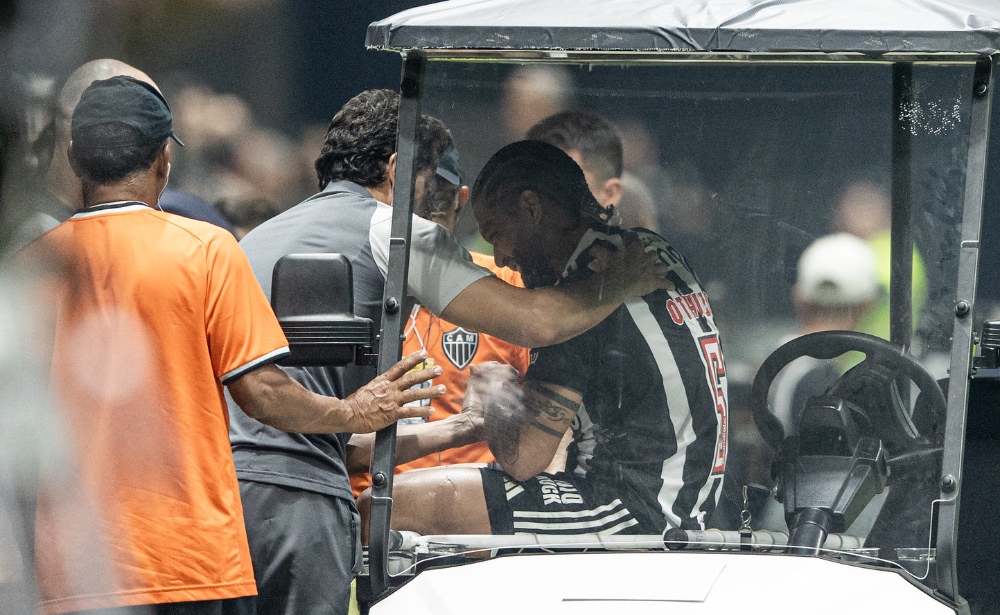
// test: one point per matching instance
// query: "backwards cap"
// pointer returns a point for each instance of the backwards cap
(126, 101)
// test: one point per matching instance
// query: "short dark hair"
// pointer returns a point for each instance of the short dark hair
(108, 165)
(542, 168)
(598, 142)
(360, 139)
(439, 193)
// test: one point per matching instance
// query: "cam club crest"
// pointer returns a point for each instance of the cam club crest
(460, 346)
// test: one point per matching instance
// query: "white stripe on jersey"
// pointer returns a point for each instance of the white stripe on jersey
(621, 526)
(571, 525)
(672, 471)
(563, 514)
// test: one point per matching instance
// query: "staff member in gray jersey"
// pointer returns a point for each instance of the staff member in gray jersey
(298, 504)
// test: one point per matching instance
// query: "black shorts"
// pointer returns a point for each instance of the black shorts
(553, 504)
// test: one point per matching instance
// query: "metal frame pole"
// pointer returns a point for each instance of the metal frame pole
(393, 318)
(961, 350)
(901, 251)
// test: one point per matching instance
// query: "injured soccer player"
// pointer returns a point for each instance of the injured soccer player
(643, 393)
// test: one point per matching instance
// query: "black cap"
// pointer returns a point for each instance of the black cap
(448, 164)
(123, 100)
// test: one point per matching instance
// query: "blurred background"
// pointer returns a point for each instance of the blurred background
(252, 83)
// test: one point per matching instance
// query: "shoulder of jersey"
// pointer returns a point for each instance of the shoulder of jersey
(203, 230)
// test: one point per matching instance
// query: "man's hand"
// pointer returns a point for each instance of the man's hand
(637, 268)
(381, 402)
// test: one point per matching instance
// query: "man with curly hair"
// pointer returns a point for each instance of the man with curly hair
(302, 523)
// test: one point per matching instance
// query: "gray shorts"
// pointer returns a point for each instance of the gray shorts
(305, 548)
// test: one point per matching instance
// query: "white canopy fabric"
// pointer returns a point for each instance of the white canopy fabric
(830, 26)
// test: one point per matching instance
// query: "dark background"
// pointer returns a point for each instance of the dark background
(294, 62)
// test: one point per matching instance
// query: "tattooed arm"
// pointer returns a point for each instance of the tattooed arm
(524, 449)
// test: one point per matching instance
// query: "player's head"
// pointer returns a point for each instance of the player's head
(360, 140)
(527, 199)
(120, 132)
(438, 193)
(593, 143)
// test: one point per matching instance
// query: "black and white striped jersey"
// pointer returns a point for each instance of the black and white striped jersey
(653, 425)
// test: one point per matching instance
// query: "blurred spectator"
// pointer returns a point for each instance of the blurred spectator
(188, 205)
(865, 210)
(38, 105)
(533, 92)
(246, 214)
(231, 157)
(596, 146)
(688, 215)
(835, 288)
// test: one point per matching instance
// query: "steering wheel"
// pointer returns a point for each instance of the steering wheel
(881, 356)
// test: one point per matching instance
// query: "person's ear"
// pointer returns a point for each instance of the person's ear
(611, 192)
(461, 198)
(72, 163)
(162, 166)
(530, 206)
(390, 172)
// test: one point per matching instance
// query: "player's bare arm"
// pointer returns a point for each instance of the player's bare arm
(524, 443)
(274, 398)
(544, 316)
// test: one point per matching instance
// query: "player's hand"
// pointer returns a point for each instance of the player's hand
(381, 402)
(488, 382)
(634, 270)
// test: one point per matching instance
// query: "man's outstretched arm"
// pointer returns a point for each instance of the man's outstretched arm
(416, 441)
(272, 397)
(539, 317)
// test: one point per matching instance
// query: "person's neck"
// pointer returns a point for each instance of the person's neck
(140, 189)
(565, 245)
(381, 192)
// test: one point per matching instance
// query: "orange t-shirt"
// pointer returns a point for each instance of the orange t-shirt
(454, 349)
(154, 313)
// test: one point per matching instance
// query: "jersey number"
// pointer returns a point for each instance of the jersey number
(715, 367)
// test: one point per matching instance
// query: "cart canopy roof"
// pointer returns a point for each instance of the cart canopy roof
(829, 26)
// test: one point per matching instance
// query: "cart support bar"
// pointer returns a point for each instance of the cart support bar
(394, 314)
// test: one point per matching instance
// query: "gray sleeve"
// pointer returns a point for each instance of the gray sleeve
(440, 268)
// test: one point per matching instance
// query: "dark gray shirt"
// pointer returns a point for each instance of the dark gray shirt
(346, 219)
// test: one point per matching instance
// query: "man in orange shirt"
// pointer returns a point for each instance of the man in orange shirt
(154, 314)
(439, 197)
